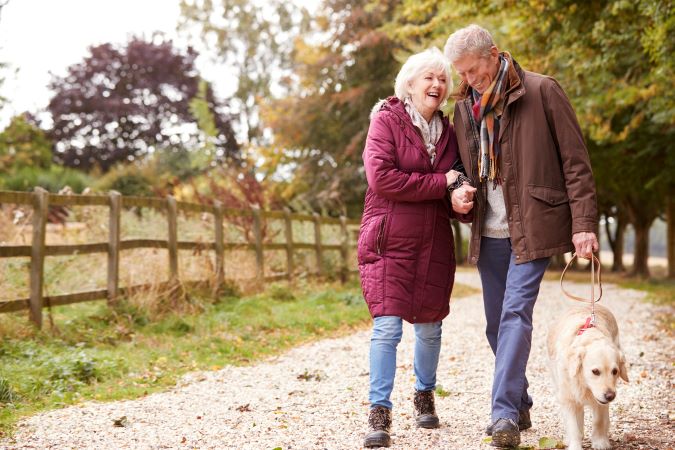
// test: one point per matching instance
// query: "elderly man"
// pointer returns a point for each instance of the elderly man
(521, 145)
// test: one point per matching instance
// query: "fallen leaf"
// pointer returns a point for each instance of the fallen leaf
(548, 443)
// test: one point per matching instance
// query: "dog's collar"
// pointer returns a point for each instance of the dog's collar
(590, 323)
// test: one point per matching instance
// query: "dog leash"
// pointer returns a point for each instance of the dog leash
(590, 321)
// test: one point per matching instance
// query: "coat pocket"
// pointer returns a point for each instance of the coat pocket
(379, 239)
(548, 195)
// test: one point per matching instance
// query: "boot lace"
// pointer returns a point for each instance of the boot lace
(424, 402)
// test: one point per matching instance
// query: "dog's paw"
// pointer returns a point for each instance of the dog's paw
(576, 445)
(601, 443)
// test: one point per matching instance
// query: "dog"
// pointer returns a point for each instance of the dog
(586, 362)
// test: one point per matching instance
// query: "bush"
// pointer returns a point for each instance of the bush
(127, 180)
(53, 179)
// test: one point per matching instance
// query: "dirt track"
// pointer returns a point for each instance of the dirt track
(315, 396)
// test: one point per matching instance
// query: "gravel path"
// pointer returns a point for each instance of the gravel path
(315, 396)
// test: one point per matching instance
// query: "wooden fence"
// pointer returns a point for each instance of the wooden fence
(40, 200)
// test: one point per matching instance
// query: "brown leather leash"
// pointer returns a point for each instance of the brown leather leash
(590, 321)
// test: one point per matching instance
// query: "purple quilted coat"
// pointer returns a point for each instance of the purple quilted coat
(406, 248)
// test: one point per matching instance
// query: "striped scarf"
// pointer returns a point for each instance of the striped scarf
(487, 110)
(431, 131)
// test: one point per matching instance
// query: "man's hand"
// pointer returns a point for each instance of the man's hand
(585, 244)
(462, 198)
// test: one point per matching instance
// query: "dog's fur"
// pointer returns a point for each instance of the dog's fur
(585, 370)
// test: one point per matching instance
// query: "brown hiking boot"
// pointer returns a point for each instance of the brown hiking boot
(524, 422)
(379, 423)
(425, 410)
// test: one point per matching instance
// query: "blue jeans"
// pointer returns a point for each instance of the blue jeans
(509, 293)
(387, 332)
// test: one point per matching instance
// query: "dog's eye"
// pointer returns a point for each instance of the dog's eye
(614, 371)
(596, 372)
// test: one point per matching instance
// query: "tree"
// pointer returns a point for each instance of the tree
(339, 80)
(614, 59)
(24, 145)
(122, 103)
(253, 42)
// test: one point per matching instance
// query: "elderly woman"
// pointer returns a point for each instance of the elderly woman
(405, 250)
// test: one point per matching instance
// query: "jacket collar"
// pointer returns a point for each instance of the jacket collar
(396, 106)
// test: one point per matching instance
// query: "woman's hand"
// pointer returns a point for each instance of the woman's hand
(451, 177)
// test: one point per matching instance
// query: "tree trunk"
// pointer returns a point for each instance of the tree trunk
(617, 247)
(670, 239)
(641, 254)
(459, 251)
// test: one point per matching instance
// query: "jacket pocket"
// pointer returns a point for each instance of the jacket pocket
(379, 239)
(549, 195)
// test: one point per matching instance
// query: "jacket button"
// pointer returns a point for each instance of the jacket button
(414, 317)
(517, 256)
(510, 218)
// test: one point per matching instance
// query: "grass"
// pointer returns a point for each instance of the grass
(96, 353)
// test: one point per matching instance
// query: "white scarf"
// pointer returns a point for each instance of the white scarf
(431, 131)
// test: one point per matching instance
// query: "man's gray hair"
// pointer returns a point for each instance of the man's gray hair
(473, 40)
(429, 59)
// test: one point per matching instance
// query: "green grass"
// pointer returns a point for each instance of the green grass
(96, 353)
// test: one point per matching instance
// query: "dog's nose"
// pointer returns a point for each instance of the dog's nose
(610, 395)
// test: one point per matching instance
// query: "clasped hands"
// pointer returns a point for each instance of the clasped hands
(462, 197)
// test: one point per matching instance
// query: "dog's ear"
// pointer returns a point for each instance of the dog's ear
(574, 360)
(623, 371)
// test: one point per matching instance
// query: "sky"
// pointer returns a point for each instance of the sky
(42, 36)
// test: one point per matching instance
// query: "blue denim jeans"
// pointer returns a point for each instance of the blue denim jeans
(387, 332)
(509, 293)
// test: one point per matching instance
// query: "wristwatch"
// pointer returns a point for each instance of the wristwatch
(461, 179)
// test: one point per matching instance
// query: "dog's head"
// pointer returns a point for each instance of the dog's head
(598, 364)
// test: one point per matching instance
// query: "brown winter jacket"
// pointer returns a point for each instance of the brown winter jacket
(547, 180)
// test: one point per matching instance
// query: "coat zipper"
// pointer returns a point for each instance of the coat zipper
(476, 141)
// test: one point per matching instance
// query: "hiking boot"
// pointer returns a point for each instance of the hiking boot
(524, 422)
(505, 433)
(379, 423)
(425, 410)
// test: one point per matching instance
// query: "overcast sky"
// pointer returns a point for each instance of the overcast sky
(39, 36)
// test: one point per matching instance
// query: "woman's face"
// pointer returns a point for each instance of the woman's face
(427, 91)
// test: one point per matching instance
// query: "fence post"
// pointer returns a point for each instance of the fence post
(257, 234)
(37, 258)
(114, 246)
(317, 244)
(290, 263)
(344, 250)
(220, 249)
(172, 213)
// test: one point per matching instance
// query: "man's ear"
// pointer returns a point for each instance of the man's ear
(623, 371)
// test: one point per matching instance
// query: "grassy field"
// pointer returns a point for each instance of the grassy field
(93, 352)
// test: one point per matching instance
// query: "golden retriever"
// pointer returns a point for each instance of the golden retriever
(586, 365)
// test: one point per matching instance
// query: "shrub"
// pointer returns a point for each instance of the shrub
(127, 180)
(53, 179)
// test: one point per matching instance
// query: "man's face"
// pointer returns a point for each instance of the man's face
(478, 71)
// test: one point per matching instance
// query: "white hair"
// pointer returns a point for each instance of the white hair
(431, 58)
(473, 40)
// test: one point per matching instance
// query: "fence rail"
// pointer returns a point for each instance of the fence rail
(40, 200)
